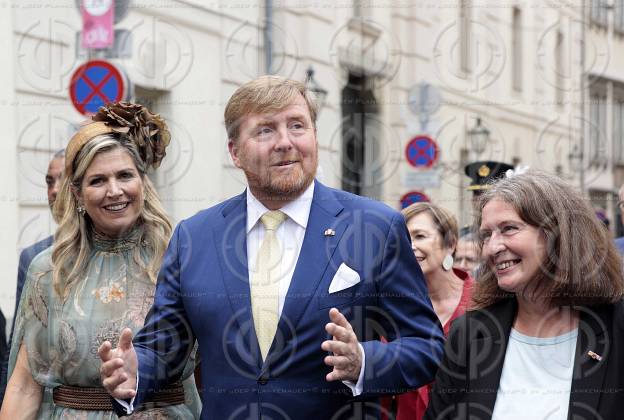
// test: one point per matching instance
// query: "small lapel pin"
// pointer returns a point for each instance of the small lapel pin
(594, 356)
(330, 232)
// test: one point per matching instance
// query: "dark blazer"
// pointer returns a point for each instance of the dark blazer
(203, 295)
(467, 381)
(26, 257)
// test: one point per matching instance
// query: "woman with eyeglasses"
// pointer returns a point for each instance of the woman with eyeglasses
(544, 338)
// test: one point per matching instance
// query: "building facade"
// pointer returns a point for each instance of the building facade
(541, 77)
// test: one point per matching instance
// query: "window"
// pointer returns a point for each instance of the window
(465, 16)
(516, 49)
(618, 17)
(618, 130)
(559, 60)
(599, 12)
(357, 8)
(597, 127)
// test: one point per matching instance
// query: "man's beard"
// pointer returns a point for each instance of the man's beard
(282, 187)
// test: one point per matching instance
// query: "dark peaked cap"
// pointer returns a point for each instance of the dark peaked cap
(485, 172)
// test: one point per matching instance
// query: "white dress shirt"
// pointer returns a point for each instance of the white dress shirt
(290, 235)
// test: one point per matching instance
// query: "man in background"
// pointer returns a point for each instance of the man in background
(467, 255)
(482, 175)
(53, 182)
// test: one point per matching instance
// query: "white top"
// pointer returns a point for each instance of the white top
(537, 377)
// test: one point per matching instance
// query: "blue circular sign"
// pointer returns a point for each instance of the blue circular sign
(95, 84)
(413, 197)
(421, 152)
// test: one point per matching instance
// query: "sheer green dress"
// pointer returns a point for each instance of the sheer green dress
(62, 337)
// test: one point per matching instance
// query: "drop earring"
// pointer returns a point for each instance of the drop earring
(447, 262)
(81, 210)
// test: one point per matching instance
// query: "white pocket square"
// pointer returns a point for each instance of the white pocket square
(344, 278)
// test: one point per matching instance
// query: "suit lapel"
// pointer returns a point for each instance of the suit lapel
(489, 336)
(230, 238)
(589, 373)
(316, 252)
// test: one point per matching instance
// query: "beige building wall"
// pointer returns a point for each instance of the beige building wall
(188, 56)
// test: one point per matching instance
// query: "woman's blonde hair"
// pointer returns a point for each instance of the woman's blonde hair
(582, 265)
(72, 246)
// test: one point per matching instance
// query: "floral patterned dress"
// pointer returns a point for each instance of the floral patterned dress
(62, 337)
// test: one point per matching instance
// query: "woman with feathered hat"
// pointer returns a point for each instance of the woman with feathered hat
(98, 278)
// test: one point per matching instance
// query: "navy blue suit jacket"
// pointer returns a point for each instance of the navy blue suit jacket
(203, 294)
(26, 257)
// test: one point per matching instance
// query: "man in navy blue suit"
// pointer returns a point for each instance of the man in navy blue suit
(53, 181)
(287, 288)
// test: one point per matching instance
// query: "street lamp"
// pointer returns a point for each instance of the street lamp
(315, 88)
(479, 137)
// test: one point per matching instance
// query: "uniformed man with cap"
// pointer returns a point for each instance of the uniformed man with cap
(482, 174)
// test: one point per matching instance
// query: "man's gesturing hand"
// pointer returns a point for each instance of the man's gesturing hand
(346, 359)
(119, 367)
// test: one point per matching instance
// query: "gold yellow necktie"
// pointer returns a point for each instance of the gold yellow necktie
(264, 285)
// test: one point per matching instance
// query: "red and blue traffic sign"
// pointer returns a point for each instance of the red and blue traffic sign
(413, 197)
(94, 84)
(422, 151)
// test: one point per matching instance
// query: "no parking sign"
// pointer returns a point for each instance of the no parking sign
(422, 151)
(413, 197)
(94, 84)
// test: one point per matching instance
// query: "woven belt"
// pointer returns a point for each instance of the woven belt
(83, 398)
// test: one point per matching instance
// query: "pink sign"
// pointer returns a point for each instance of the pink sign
(97, 23)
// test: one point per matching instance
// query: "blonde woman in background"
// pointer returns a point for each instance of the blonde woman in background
(434, 233)
(98, 278)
